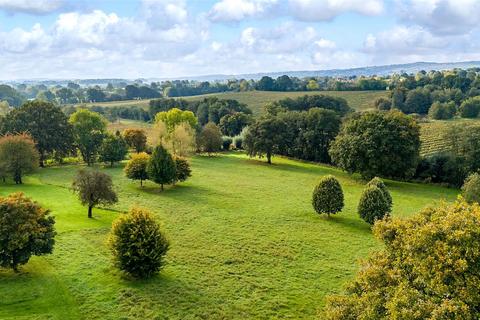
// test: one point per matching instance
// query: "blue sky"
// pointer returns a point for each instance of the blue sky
(174, 38)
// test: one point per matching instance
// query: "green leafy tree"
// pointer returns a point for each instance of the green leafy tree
(328, 196)
(233, 124)
(18, 156)
(471, 188)
(373, 204)
(210, 138)
(429, 269)
(470, 108)
(442, 111)
(136, 168)
(161, 167)
(174, 117)
(264, 137)
(136, 138)
(182, 169)
(47, 125)
(377, 182)
(113, 149)
(89, 129)
(94, 188)
(378, 143)
(137, 244)
(26, 229)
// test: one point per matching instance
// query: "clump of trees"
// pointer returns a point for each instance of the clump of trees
(26, 229)
(442, 111)
(18, 156)
(176, 130)
(328, 196)
(378, 143)
(137, 244)
(306, 102)
(411, 278)
(94, 188)
(470, 108)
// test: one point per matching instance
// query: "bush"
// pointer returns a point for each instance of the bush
(470, 108)
(377, 182)
(442, 111)
(226, 143)
(238, 142)
(182, 169)
(136, 168)
(471, 188)
(328, 196)
(26, 229)
(137, 243)
(429, 269)
(373, 204)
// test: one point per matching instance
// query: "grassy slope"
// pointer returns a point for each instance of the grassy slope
(245, 244)
(360, 100)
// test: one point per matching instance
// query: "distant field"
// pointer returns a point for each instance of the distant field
(359, 100)
(123, 124)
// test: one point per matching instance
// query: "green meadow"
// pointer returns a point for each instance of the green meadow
(245, 243)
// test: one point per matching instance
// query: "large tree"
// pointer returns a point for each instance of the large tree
(264, 137)
(113, 149)
(232, 124)
(47, 125)
(89, 129)
(210, 138)
(378, 144)
(18, 156)
(135, 138)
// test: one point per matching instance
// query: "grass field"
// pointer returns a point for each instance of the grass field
(360, 100)
(245, 243)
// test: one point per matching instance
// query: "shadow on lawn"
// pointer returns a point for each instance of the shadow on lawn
(348, 223)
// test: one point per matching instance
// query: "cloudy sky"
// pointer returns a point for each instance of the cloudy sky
(174, 38)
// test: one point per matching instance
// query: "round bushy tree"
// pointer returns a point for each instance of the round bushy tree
(182, 169)
(135, 138)
(18, 155)
(471, 188)
(26, 229)
(210, 139)
(328, 196)
(137, 243)
(113, 149)
(373, 205)
(442, 111)
(470, 108)
(377, 182)
(136, 168)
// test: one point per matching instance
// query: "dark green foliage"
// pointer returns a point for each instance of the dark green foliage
(18, 156)
(137, 244)
(328, 196)
(442, 111)
(264, 137)
(210, 138)
(182, 169)
(373, 204)
(417, 101)
(238, 142)
(377, 182)
(226, 143)
(471, 188)
(94, 188)
(465, 144)
(26, 229)
(113, 149)
(232, 124)
(161, 167)
(47, 125)
(10, 95)
(213, 109)
(442, 168)
(470, 108)
(339, 105)
(382, 104)
(378, 144)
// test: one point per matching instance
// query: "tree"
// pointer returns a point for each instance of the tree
(328, 196)
(266, 83)
(89, 129)
(161, 167)
(382, 104)
(442, 111)
(26, 229)
(174, 117)
(47, 125)
(470, 108)
(233, 124)
(182, 169)
(137, 244)
(136, 168)
(18, 155)
(377, 182)
(417, 101)
(264, 137)
(176, 129)
(94, 188)
(429, 269)
(313, 85)
(378, 144)
(373, 205)
(135, 138)
(210, 139)
(113, 149)
(471, 188)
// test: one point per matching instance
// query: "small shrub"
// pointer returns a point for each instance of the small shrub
(377, 182)
(182, 169)
(137, 243)
(328, 196)
(373, 204)
(226, 143)
(471, 188)
(26, 229)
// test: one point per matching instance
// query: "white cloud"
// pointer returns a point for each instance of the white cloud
(325, 10)
(238, 10)
(441, 16)
(31, 6)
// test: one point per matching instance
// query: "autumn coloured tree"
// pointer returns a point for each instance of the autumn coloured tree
(18, 156)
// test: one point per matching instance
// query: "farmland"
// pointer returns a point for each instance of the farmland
(245, 244)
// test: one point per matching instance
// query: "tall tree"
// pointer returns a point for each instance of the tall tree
(264, 137)
(161, 167)
(18, 155)
(210, 138)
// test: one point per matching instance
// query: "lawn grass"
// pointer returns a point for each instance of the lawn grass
(245, 243)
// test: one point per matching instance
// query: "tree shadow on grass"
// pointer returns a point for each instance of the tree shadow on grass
(181, 192)
(347, 223)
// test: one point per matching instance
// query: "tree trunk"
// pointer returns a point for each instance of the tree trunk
(269, 158)
(90, 211)
(42, 164)
(141, 183)
(161, 186)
